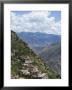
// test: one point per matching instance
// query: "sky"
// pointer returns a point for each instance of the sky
(36, 21)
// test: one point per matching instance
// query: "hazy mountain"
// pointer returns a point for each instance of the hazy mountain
(39, 39)
(25, 63)
(52, 56)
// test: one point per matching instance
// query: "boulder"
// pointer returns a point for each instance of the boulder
(25, 72)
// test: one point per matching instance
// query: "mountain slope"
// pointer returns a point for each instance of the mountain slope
(25, 63)
(52, 56)
(47, 46)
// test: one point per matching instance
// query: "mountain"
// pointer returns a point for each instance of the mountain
(52, 56)
(47, 46)
(37, 41)
(26, 64)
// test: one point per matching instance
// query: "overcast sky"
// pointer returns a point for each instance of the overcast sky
(36, 21)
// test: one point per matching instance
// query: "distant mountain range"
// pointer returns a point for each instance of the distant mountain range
(47, 46)
(39, 39)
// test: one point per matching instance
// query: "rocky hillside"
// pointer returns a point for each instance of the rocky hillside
(26, 64)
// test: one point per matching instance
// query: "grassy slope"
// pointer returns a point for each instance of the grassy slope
(19, 48)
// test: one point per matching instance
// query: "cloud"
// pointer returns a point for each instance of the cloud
(36, 21)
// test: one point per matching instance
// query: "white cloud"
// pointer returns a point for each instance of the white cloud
(36, 21)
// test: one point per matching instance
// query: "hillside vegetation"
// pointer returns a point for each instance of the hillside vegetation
(26, 64)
